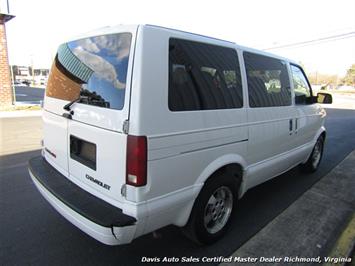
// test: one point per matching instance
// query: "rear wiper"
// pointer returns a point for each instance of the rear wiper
(68, 105)
(88, 97)
(82, 95)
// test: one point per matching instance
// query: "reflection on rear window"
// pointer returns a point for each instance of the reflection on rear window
(94, 69)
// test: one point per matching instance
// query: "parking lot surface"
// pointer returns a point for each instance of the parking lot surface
(29, 95)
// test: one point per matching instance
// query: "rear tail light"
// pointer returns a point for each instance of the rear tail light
(136, 161)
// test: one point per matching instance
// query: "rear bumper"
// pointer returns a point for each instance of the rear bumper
(92, 215)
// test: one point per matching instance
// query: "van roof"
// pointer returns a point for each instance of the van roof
(245, 48)
(115, 28)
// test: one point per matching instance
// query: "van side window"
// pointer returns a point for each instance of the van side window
(268, 81)
(302, 90)
(203, 77)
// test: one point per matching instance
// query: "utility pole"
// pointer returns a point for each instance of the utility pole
(33, 71)
(13, 85)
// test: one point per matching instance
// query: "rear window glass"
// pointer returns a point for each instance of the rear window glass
(94, 69)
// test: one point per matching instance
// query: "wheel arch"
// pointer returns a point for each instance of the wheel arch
(232, 163)
(321, 132)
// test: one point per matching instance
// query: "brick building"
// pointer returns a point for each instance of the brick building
(6, 93)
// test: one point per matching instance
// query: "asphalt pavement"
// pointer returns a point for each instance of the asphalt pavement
(29, 95)
(33, 233)
(307, 228)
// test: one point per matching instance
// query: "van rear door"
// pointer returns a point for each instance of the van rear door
(93, 76)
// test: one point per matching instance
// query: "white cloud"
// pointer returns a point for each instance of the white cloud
(118, 45)
(88, 45)
(102, 68)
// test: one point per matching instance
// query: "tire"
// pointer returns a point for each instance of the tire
(211, 215)
(315, 158)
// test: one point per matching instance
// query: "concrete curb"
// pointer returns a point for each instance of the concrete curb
(306, 231)
(21, 113)
(345, 246)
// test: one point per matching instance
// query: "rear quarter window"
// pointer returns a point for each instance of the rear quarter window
(203, 77)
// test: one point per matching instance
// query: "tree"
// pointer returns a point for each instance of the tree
(349, 78)
(323, 79)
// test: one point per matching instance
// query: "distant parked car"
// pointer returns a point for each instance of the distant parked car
(43, 81)
(26, 83)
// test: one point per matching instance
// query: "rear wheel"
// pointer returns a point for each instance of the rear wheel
(212, 211)
(218, 209)
(314, 159)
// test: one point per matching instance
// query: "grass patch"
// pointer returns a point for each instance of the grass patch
(21, 108)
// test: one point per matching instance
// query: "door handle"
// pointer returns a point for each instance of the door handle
(290, 128)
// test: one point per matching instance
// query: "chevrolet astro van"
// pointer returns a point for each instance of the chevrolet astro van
(146, 126)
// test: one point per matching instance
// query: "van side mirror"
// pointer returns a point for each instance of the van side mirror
(323, 97)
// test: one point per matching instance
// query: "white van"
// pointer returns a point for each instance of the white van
(146, 126)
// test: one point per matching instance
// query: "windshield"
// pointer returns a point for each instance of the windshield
(94, 69)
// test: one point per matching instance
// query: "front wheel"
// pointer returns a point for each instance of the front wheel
(211, 214)
(314, 159)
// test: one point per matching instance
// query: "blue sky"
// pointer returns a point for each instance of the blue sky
(40, 26)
